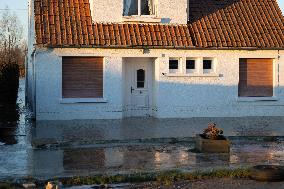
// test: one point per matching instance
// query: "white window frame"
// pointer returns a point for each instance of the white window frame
(197, 72)
(213, 66)
(62, 100)
(174, 71)
(196, 65)
(139, 7)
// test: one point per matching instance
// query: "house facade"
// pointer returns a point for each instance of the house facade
(113, 59)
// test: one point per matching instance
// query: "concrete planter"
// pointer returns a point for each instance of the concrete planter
(212, 146)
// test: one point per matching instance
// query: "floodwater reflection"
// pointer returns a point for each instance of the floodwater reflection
(122, 159)
(14, 119)
(9, 116)
(144, 158)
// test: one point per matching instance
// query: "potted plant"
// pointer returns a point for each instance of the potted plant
(212, 140)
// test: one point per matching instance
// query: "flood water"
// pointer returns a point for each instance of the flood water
(122, 146)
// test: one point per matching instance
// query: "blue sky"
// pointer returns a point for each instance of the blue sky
(21, 9)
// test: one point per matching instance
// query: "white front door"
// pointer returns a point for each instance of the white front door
(139, 87)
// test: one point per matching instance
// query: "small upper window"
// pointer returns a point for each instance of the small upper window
(138, 7)
(190, 64)
(173, 66)
(207, 64)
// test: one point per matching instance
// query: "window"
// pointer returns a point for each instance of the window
(190, 64)
(173, 65)
(138, 7)
(140, 78)
(130, 7)
(207, 64)
(82, 77)
(255, 78)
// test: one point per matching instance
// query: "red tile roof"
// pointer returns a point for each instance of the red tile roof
(212, 24)
(236, 23)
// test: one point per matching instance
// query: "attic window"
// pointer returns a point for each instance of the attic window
(138, 7)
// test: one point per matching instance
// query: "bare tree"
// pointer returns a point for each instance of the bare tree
(12, 45)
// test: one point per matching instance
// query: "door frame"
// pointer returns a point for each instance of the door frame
(128, 80)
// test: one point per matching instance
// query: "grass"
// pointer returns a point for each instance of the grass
(162, 178)
(165, 177)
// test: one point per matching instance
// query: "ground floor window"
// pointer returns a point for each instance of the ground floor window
(82, 77)
(256, 77)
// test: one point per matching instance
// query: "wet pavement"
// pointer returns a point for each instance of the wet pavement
(151, 128)
(79, 148)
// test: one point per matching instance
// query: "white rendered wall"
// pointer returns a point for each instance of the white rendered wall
(169, 11)
(173, 10)
(49, 90)
(174, 97)
(216, 96)
(107, 10)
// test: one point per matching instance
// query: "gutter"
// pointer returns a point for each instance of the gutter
(159, 47)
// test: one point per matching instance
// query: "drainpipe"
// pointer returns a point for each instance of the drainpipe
(278, 68)
(34, 80)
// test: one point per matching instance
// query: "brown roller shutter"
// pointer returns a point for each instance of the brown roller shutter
(82, 77)
(256, 78)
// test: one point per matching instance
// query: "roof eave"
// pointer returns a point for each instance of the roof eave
(157, 47)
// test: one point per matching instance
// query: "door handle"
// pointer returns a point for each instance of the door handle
(132, 89)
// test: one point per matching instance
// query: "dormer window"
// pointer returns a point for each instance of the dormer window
(138, 7)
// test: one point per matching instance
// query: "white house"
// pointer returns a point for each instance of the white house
(112, 59)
